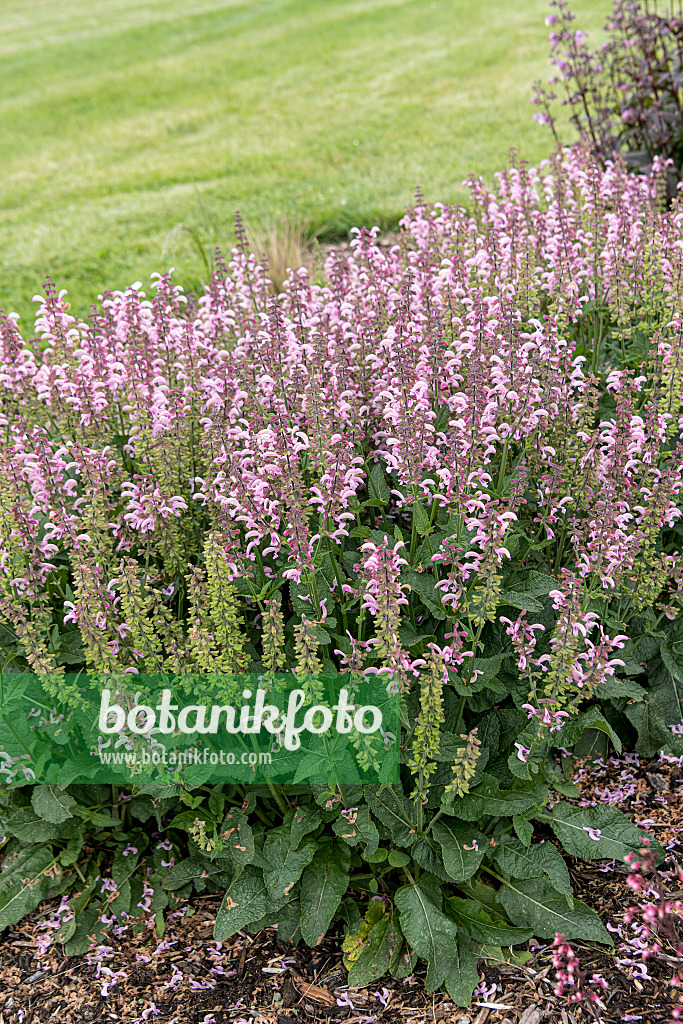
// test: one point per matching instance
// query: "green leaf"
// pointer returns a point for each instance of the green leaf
(77, 905)
(423, 584)
(488, 798)
(426, 852)
(378, 487)
(86, 933)
(28, 826)
(410, 638)
(197, 871)
(398, 859)
(429, 933)
(621, 689)
(238, 838)
(247, 900)
(534, 904)
(462, 847)
(593, 744)
(323, 885)
(523, 828)
(539, 583)
(570, 733)
(615, 835)
(304, 820)
(488, 668)
(72, 851)
(521, 861)
(287, 861)
(381, 947)
(481, 925)
(356, 827)
(23, 883)
(422, 524)
(649, 719)
(51, 804)
(463, 978)
(394, 811)
(517, 599)
(676, 689)
(70, 648)
(511, 723)
(403, 963)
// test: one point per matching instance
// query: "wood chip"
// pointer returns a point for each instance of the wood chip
(313, 992)
(532, 1015)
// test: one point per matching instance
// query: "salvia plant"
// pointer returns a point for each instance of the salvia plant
(455, 465)
(626, 96)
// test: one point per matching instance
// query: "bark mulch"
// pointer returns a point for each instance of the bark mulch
(188, 978)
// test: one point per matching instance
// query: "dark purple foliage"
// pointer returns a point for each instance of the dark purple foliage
(625, 97)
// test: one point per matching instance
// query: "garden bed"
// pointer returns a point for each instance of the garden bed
(262, 980)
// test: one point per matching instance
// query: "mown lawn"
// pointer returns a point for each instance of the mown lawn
(123, 123)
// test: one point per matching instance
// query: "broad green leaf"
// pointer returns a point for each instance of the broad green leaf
(77, 905)
(518, 599)
(72, 851)
(450, 747)
(286, 860)
(520, 861)
(423, 583)
(649, 719)
(398, 859)
(464, 683)
(410, 638)
(198, 871)
(523, 828)
(120, 905)
(593, 744)
(52, 804)
(124, 866)
(356, 827)
(463, 978)
(238, 837)
(511, 723)
(538, 583)
(597, 833)
(379, 951)
(304, 820)
(489, 798)
(572, 731)
(462, 847)
(87, 932)
(28, 826)
(394, 811)
(519, 768)
(532, 903)
(246, 900)
(675, 691)
(378, 487)
(427, 853)
(323, 885)
(403, 964)
(350, 914)
(481, 925)
(429, 932)
(488, 731)
(282, 915)
(621, 689)
(23, 883)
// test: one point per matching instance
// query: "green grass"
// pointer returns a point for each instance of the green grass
(123, 122)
